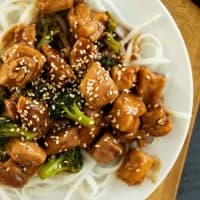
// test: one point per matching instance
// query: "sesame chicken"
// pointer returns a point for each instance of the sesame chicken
(157, 121)
(10, 108)
(97, 87)
(22, 64)
(11, 174)
(126, 109)
(124, 77)
(86, 23)
(25, 153)
(126, 137)
(88, 134)
(150, 86)
(82, 54)
(62, 141)
(25, 34)
(60, 72)
(106, 149)
(34, 115)
(135, 167)
(50, 6)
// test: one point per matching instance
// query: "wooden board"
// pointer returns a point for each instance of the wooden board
(187, 16)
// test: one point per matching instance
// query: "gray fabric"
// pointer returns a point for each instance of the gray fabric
(190, 183)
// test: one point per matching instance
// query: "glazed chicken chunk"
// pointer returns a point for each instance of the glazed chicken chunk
(97, 87)
(22, 64)
(88, 134)
(11, 174)
(60, 72)
(86, 23)
(107, 149)
(126, 137)
(10, 108)
(34, 115)
(126, 109)
(150, 86)
(62, 141)
(25, 153)
(52, 6)
(124, 77)
(157, 121)
(135, 167)
(83, 52)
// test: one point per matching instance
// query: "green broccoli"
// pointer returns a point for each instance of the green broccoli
(70, 161)
(111, 42)
(111, 24)
(12, 130)
(47, 29)
(66, 105)
(108, 62)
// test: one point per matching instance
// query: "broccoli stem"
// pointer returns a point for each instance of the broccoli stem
(112, 43)
(11, 130)
(70, 161)
(111, 24)
(76, 115)
(52, 167)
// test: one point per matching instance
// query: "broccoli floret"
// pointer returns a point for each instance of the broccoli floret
(108, 61)
(111, 42)
(70, 161)
(111, 24)
(68, 106)
(47, 29)
(12, 130)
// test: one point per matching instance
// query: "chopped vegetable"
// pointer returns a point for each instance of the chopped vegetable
(108, 61)
(11, 130)
(67, 106)
(47, 29)
(111, 24)
(111, 42)
(70, 161)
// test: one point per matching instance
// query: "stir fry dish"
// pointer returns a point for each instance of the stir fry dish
(65, 89)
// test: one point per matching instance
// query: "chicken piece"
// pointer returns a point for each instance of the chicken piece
(124, 77)
(22, 64)
(97, 87)
(88, 134)
(10, 110)
(52, 6)
(60, 72)
(25, 34)
(87, 23)
(25, 153)
(62, 141)
(34, 115)
(19, 34)
(107, 149)
(135, 167)
(129, 137)
(83, 52)
(126, 109)
(11, 174)
(157, 122)
(150, 86)
(59, 125)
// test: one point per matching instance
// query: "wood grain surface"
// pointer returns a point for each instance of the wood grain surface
(187, 17)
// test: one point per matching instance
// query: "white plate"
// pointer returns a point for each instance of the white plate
(178, 95)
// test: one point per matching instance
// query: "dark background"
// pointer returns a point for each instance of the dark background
(190, 182)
